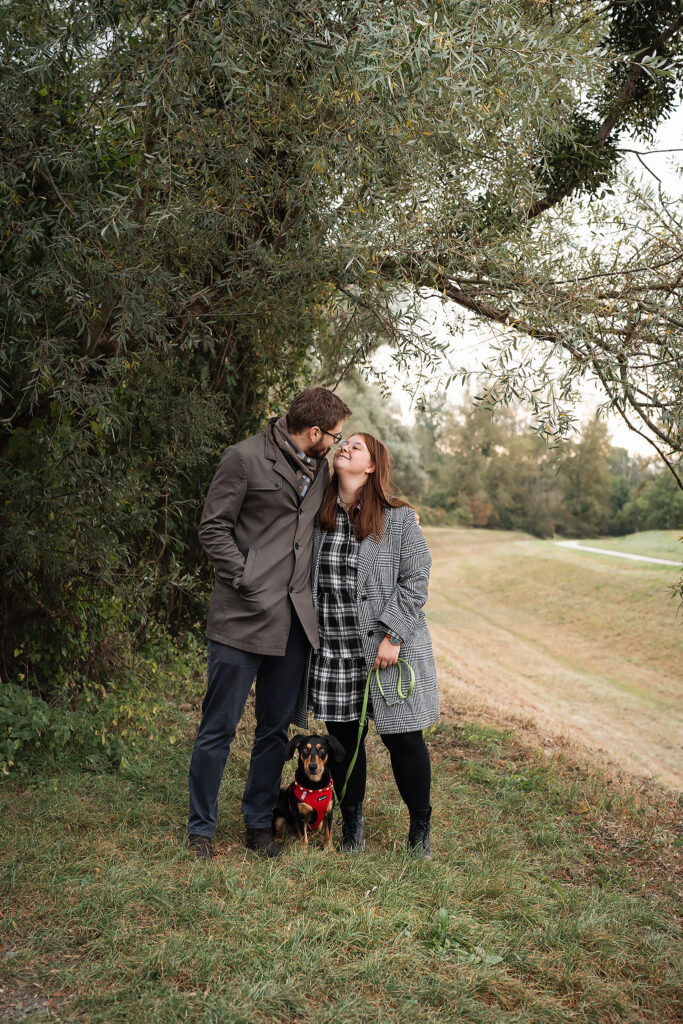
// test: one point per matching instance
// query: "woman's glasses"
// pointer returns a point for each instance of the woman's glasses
(352, 446)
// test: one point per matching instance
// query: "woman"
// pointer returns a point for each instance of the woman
(370, 571)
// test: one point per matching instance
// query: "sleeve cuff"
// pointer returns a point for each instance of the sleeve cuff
(391, 630)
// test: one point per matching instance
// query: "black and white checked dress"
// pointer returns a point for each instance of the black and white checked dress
(337, 675)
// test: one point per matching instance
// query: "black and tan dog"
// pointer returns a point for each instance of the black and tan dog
(307, 804)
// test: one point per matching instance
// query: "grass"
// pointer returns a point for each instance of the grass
(589, 645)
(653, 543)
(551, 898)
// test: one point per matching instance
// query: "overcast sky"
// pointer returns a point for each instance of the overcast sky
(471, 347)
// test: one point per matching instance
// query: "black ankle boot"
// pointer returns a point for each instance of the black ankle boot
(418, 837)
(261, 841)
(353, 827)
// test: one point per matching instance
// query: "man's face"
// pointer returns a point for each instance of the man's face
(323, 441)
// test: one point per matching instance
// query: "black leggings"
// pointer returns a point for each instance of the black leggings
(409, 762)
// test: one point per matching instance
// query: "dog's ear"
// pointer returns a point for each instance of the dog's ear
(291, 747)
(335, 746)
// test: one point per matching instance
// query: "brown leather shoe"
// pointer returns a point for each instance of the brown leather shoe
(200, 846)
(261, 841)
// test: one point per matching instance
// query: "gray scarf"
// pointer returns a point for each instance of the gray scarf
(305, 466)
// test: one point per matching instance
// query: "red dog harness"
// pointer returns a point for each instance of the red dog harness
(319, 800)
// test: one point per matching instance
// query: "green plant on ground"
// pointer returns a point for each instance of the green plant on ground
(98, 721)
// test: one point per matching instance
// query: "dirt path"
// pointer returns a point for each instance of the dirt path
(616, 554)
(586, 650)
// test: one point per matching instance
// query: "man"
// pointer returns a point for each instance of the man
(257, 528)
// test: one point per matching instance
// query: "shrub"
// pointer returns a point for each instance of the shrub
(99, 722)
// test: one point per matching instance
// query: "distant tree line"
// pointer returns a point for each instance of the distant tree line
(465, 466)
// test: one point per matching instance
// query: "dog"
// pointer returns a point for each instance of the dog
(307, 805)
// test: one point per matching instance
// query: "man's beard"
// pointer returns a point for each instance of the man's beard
(317, 451)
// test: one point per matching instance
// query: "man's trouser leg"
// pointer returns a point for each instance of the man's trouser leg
(230, 676)
(277, 688)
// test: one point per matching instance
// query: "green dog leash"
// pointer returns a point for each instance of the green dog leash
(402, 696)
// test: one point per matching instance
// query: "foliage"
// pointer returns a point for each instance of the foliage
(585, 481)
(99, 724)
(657, 504)
(93, 726)
(204, 204)
(636, 97)
(468, 466)
(122, 380)
(493, 473)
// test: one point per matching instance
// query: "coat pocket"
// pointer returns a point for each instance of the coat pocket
(248, 568)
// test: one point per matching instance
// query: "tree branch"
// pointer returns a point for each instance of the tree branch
(614, 114)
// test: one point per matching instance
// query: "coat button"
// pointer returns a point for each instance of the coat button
(291, 590)
(363, 597)
(370, 632)
(296, 545)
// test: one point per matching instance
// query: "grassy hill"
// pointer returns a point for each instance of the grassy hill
(585, 644)
(653, 543)
(551, 898)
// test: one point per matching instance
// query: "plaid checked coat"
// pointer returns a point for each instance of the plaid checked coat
(391, 588)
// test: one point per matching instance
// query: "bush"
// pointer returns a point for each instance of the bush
(656, 505)
(431, 515)
(100, 722)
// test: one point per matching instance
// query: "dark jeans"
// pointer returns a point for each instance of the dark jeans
(230, 676)
(409, 762)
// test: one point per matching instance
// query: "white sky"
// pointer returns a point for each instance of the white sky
(470, 348)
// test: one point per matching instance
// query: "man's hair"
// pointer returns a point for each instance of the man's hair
(316, 407)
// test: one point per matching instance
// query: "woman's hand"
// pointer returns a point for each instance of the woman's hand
(387, 654)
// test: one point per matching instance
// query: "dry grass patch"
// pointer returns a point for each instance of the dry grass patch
(587, 648)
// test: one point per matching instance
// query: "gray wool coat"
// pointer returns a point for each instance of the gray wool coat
(391, 588)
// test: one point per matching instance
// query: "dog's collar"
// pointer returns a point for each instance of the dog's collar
(319, 800)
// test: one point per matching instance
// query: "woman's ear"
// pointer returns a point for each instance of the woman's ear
(371, 468)
(291, 747)
(338, 751)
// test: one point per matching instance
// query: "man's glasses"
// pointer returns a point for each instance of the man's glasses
(336, 437)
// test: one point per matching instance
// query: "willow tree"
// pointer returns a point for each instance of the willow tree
(205, 203)
(524, 216)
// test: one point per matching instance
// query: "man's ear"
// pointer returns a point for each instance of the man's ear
(291, 747)
(335, 746)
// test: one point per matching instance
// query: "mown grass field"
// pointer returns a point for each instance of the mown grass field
(653, 543)
(586, 645)
(551, 899)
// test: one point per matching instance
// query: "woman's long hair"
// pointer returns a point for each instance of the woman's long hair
(373, 498)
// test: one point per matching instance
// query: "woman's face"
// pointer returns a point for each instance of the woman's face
(353, 458)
